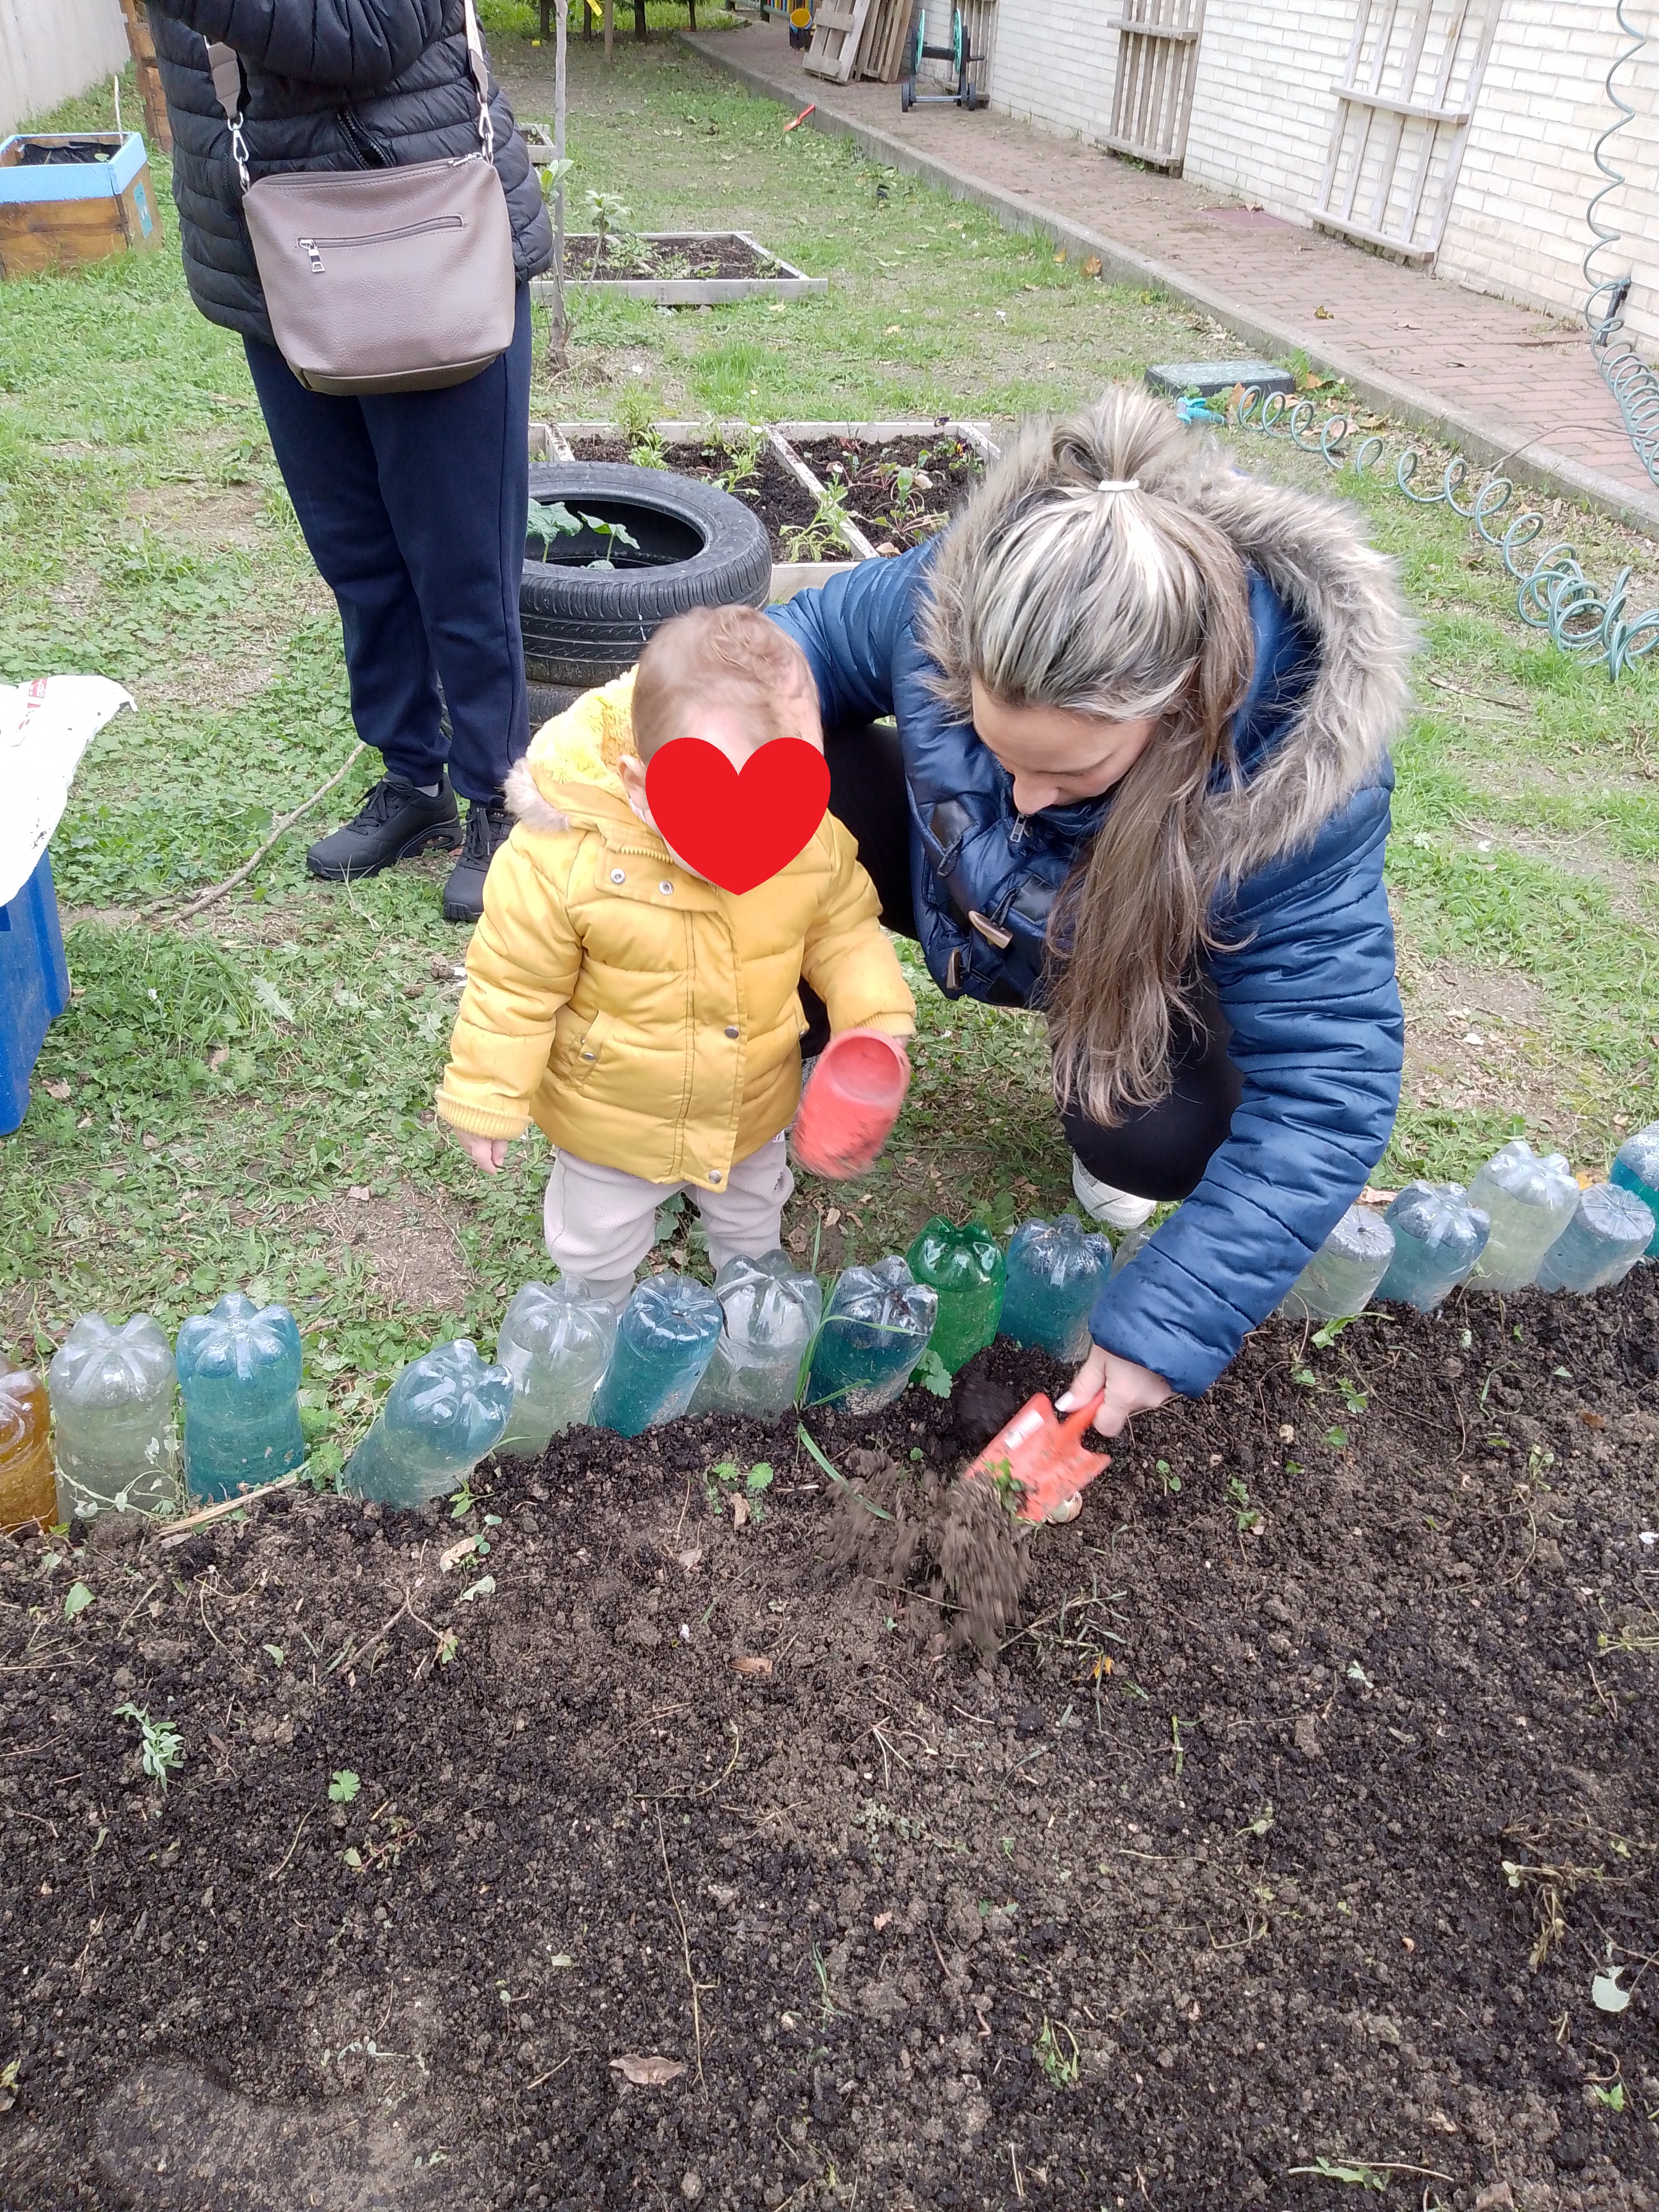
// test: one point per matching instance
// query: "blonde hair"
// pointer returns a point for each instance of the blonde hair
(1085, 574)
(756, 672)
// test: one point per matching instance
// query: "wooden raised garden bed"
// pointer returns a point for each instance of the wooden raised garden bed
(680, 268)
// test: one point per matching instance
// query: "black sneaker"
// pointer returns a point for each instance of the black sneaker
(488, 829)
(395, 821)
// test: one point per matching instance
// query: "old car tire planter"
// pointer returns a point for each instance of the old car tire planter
(697, 547)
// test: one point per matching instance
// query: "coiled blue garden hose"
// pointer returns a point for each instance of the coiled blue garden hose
(1554, 593)
(1632, 382)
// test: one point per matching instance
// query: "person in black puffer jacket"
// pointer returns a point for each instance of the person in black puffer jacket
(412, 503)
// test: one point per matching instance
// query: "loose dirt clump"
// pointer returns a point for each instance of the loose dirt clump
(635, 1857)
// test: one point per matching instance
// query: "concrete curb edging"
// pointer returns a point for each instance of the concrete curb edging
(1537, 465)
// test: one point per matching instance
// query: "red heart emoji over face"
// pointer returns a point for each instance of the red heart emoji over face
(738, 828)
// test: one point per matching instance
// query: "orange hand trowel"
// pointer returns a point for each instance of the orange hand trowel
(1042, 1456)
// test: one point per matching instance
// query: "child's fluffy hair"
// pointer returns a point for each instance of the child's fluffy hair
(755, 670)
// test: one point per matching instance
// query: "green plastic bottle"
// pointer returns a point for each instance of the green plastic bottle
(965, 1266)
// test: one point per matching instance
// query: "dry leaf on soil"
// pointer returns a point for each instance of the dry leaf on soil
(652, 2072)
(456, 1552)
(753, 1665)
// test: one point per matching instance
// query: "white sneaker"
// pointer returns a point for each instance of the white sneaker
(1118, 1209)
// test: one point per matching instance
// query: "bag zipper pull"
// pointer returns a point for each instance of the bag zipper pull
(310, 245)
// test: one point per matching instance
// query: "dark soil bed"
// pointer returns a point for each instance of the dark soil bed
(670, 255)
(1201, 1880)
(902, 492)
(780, 499)
(899, 494)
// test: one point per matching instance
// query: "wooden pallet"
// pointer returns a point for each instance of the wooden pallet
(837, 30)
(157, 128)
(881, 51)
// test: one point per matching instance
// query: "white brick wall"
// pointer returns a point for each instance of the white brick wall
(1517, 224)
(1263, 108)
(1055, 63)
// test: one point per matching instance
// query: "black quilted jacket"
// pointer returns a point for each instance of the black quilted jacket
(331, 84)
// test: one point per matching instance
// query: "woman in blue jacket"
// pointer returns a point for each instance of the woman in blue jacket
(1141, 782)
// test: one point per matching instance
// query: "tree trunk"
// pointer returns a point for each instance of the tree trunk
(609, 27)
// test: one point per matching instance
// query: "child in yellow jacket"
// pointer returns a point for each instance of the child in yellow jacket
(647, 1020)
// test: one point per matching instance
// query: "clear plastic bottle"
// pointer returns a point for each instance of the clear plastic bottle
(1607, 1234)
(966, 1268)
(772, 1312)
(1530, 1200)
(1636, 1169)
(556, 1342)
(238, 1376)
(27, 1489)
(112, 1410)
(875, 1331)
(1132, 1242)
(1055, 1270)
(441, 1415)
(1340, 1279)
(667, 1335)
(1437, 1237)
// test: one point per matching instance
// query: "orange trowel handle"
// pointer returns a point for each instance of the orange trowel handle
(1079, 1419)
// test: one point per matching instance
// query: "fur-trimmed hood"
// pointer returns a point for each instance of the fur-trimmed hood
(1344, 596)
(568, 776)
(1332, 606)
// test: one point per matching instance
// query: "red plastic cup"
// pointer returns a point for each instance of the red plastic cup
(850, 1104)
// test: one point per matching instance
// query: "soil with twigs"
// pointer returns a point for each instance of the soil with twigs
(676, 255)
(668, 1861)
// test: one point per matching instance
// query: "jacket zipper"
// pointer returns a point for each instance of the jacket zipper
(314, 246)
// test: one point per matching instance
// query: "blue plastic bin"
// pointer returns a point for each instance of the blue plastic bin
(34, 987)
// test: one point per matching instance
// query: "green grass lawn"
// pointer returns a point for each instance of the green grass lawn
(246, 1099)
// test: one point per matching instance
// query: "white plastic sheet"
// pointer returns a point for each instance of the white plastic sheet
(45, 727)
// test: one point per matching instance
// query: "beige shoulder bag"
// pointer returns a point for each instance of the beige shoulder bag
(382, 280)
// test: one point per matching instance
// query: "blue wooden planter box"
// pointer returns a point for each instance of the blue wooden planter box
(34, 987)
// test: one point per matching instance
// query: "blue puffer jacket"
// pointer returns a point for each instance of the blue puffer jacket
(1308, 983)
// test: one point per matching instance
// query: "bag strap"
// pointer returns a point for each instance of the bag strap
(225, 65)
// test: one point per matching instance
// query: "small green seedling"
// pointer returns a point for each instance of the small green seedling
(1304, 1378)
(1336, 1439)
(275, 1652)
(1250, 1517)
(1063, 2066)
(463, 1502)
(828, 2004)
(1171, 1482)
(77, 1598)
(1353, 1397)
(342, 1786)
(1355, 2172)
(933, 1374)
(1327, 1333)
(8, 2074)
(727, 1480)
(1610, 2094)
(160, 1747)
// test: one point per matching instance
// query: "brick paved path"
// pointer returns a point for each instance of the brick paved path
(1497, 380)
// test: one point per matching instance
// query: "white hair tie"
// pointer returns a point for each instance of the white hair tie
(1119, 483)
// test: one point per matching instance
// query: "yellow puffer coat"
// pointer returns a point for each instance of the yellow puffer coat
(644, 1019)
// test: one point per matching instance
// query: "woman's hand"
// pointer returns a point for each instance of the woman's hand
(489, 1154)
(1129, 1389)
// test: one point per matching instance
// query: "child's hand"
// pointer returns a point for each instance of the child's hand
(488, 1154)
(1129, 1389)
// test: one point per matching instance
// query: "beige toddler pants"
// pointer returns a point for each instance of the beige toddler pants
(601, 1221)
